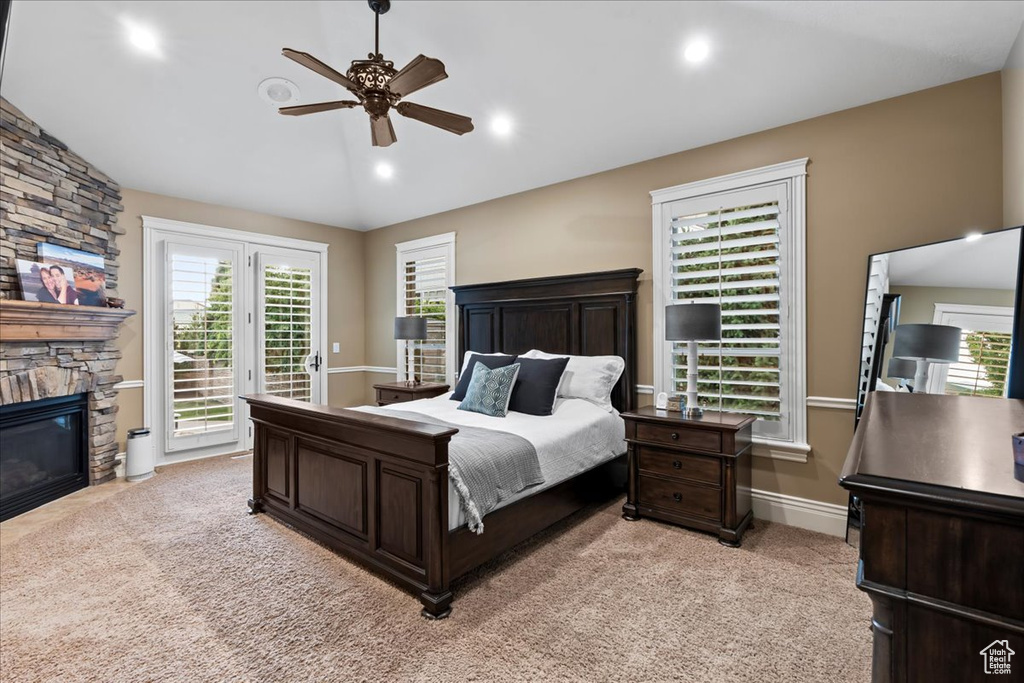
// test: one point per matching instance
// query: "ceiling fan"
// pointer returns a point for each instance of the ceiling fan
(378, 88)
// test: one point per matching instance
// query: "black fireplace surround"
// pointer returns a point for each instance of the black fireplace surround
(44, 450)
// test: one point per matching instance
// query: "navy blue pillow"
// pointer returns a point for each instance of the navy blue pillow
(488, 361)
(534, 392)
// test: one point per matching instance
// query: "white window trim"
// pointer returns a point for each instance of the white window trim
(794, 175)
(152, 288)
(942, 315)
(403, 252)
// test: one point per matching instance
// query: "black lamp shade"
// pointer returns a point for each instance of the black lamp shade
(410, 328)
(693, 322)
(932, 343)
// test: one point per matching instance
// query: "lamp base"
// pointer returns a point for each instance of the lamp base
(414, 382)
(693, 413)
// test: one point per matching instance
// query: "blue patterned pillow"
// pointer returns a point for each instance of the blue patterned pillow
(490, 390)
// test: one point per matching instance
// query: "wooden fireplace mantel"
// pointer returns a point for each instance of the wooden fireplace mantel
(31, 321)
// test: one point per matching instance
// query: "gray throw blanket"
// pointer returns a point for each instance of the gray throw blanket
(485, 466)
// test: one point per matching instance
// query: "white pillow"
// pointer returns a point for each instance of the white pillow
(591, 378)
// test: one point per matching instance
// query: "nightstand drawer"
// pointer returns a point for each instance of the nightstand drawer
(683, 437)
(391, 396)
(679, 465)
(680, 498)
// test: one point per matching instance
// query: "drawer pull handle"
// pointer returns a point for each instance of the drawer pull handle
(675, 437)
(678, 497)
(677, 464)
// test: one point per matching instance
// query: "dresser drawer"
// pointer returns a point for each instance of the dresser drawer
(683, 437)
(680, 498)
(684, 466)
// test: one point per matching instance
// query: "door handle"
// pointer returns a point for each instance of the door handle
(316, 362)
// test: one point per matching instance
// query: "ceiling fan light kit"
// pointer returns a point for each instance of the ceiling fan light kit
(379, 88)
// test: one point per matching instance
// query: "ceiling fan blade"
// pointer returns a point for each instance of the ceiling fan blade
(417, 74)
(314, 64)
(382, 132)
(453, 123)
(301, 109)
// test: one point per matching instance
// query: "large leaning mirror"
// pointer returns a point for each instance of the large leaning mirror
(971, 284)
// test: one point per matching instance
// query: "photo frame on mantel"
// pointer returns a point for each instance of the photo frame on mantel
(89, 277)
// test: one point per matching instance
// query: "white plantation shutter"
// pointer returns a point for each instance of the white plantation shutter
(983, 365)
(203, 303)
(878, 285)
(426, 270)
(287, 331)
(985, 338)
(732, 256)
(738, 241)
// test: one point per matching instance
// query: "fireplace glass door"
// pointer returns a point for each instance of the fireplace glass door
(44, 454)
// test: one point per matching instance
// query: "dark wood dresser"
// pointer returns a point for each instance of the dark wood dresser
(399, 392)
(694, 473)
(942, 539)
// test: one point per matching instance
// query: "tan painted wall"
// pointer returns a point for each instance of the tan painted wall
(918, 303)
(909, 170)
(345, 283)
(1013, 134)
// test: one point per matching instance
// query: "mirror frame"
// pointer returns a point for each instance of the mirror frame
(1015, 372)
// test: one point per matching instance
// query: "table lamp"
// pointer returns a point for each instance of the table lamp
(411, 328)
(692, 323)
(926, 344)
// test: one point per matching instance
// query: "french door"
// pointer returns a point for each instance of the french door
(228, 316)
(289, 360)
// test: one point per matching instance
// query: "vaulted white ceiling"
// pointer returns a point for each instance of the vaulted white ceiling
(590, 86)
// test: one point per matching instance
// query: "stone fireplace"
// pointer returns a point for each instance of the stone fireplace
(50, 194)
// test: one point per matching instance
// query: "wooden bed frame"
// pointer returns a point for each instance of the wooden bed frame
(375, 488)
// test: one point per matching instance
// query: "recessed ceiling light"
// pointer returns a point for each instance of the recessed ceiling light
(384, 170)
(278, 91)
(696, 51)
(501, 125)
(972, 237)
(142, 38)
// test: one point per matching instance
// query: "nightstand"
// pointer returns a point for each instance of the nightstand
(399, 392)
(691, 472)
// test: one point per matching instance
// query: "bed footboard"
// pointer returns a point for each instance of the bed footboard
(371, 487)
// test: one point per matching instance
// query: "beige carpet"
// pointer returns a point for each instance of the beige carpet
(170, 580)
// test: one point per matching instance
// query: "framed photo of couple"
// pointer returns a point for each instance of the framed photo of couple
(62, 275)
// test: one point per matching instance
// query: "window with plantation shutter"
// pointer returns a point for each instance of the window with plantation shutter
(204, 337)
(985, 337)
(426, 270)
(286, 330)
(738, 241)
(878, 285)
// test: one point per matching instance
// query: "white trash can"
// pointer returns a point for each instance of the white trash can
(139, 457)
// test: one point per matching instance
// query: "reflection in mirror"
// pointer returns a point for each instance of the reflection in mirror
(971, 284)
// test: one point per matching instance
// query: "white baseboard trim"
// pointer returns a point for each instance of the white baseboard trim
(362, 368)
(826, 518)
(831, 402)
(130, 384)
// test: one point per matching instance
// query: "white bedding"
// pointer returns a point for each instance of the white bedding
(576, 437)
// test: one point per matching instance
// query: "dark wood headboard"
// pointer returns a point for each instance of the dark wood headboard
(590, 314)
